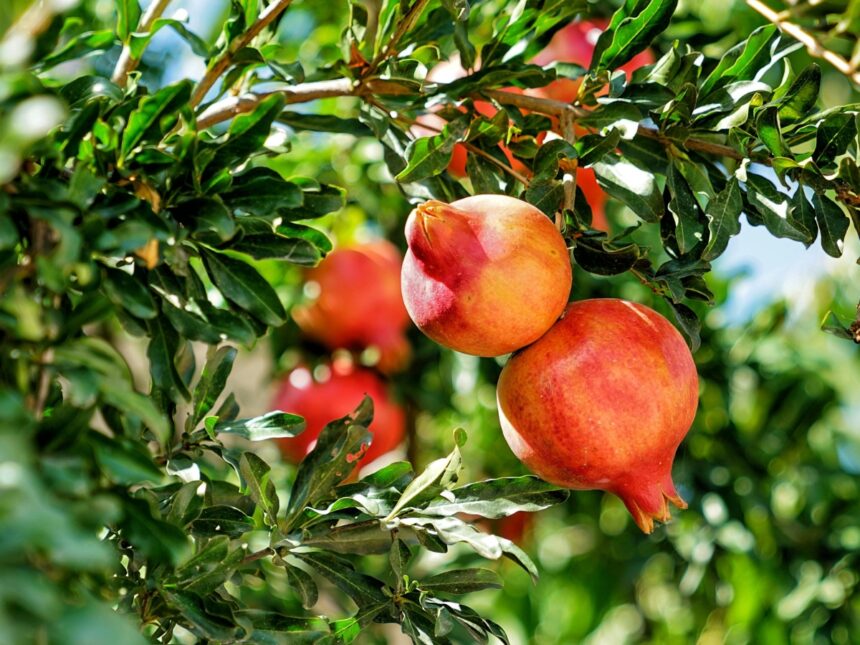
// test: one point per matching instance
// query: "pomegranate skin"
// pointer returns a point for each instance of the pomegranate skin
(323, 401)
(359, 303)
(485, 275)
(602, 401)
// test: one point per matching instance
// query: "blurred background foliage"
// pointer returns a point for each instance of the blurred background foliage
(767, 551)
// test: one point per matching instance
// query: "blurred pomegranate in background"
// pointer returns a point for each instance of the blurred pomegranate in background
(332, 395)
(357, 303)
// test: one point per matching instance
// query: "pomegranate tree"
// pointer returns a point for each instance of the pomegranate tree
(602, 401)
(484, 275)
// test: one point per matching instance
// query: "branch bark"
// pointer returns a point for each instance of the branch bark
(126, 62)
(812, 45)
(266, 18)
(301, 93)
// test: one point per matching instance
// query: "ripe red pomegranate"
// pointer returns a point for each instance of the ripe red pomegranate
(602, 401)
(323, 400)
(484, 275)
(359, 303)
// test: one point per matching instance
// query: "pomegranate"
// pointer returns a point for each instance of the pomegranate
(484, 275)
(322, 400)
(358, 304)
(602, 401)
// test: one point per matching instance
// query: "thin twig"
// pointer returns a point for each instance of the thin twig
(812, 45)
(486, 155)
(301, 93)
(127, 63)
(258, 555)
(218, 68)
(568, 181)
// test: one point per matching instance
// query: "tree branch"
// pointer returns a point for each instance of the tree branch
(301, 93)
(126, 62)
(214, 73)
(812, 45)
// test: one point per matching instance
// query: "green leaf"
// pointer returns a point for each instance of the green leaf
(243, 285)
(156, 539)
(154, 117)
(364, 590)
(744, 61)
(324, 123)
(689, 322)
(125, 462)
(688, 225)
(772, 208)
(272, 425)
(361, 538)
(442, 473)
(261, 488)
(832, 222)
(163, 345)
(81, 45)
(801, 97)
(339, 446)
(496, 498)
(129, 293)
(221, 520)
(399, 556)
(460, 581)
(272, 628)
(832, 325)
(802, 215)
(635, 187)
(630, 31)
(247, 135)
(768, 126)
(279, 247)
(213, 378)
(127, 17)
(262, 191)
(139, 41)
(206, 216)
(599, 256)
(723, 214)
(303, 585)
(429, 156)
(834, 136)
(199, 619)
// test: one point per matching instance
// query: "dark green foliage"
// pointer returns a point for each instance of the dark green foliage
(142, 491)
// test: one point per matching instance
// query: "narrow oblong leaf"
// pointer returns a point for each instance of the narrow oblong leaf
(213, 378)
(221, 520)
(801, 95)
(460, 581)
(303, 585)
(630, 31)
(723, 215)
(272, 425)
(496, 498)
(154, 116)
(243, 285)
(832, 222)
(632, 185)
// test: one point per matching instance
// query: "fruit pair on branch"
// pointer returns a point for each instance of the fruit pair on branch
(598, 394)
